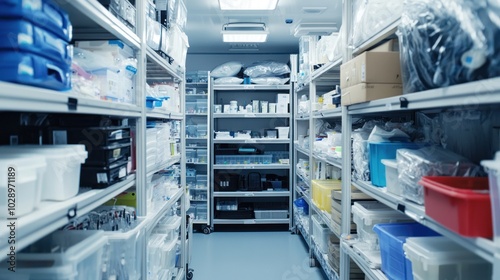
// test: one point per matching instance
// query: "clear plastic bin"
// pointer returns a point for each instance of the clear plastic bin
(169, 226)
(441, 258)
(321, 233)
(391, 176)
(493, 169)
(68, 255)
(368, 213)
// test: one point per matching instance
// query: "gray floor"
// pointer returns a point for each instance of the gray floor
(250, 256)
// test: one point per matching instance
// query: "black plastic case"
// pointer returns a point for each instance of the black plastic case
(99, 177)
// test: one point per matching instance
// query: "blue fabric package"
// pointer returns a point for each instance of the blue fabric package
(22, 35)
(445, 43)
(43, 13)
(34, 70)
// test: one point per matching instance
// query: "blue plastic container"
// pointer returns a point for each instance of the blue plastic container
(385, 150)
(43, 13)
(152, 102)
(22, 35)
(391, 239)
(34, 70)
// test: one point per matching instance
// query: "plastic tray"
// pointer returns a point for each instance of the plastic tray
(31, 69)
(386, 150)
(105, 176)
(322, 193)
(391, 239)
(91, 136)
(43, 13)
(458, 202)
(22, 35)
(104, 156)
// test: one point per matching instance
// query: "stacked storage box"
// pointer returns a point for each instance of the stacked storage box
(356, 195)
(334, 260)
(322, 193)
(34, 45)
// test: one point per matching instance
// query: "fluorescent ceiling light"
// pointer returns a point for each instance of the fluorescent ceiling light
(244, 32)
(251, 5)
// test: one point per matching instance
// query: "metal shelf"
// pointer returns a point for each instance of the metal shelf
(250, 116)
(303, 194)
(304, 178)
(196, 114)
(303, 117)
(52, 215)
(251, 87)
(302, 88)
(173, 70)
(196, 138)
(252, 194)
(328, 69)
(332, 161)
(15, 97)
(325, 217)
(323, 261)
(253, 140)
(173, 160)
(197, 163)
(155, 218)
(90, 18)
(302, 230)
(459, 96)
(250, 221)
(378, 37)
(374, 274)
(302, 150)
(328, 113)
(251, 166)
(198, 200)
(200, 222)
(485, 248)
(163, 114)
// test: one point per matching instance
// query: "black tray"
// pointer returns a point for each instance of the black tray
(90, 136)
(102, 177)
(104, 156)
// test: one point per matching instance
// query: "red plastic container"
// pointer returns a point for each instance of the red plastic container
(461, 204)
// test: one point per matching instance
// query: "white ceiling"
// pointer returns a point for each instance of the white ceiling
(205, 21)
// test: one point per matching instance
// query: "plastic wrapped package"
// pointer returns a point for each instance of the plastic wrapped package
(178, 45)
(180, 14)
(227, 69)
(228, 80)
(371, 16)
(445, 43)
(337, 50)
(360, 151)
(304, 59)
(325, 48)
(153, 33)
(270, 81)
(429, 161)
(267, 69)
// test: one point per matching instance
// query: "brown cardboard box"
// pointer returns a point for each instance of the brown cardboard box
(371, 67)
(367, 92)
(389, 46)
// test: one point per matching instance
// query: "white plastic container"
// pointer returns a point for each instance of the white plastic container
(62, 176)
(26, 178)
(368, 213)
(321, 233)
(493, 169)
(283, 132)
(68, 255)
(124, 252)
(441, 258)
(170, 226)
(391, 176)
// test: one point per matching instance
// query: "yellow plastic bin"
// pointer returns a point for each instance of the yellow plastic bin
(322, 193)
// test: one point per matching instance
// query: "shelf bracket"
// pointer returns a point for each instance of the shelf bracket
(403, 102)
(72, 104)
(401, 208)
(71, 213)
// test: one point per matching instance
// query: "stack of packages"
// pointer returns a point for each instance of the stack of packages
(334, 260)
(35, 48)
(336, 214)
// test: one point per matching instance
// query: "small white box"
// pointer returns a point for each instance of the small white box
(283, 98)
(282, 108)
(391, 176)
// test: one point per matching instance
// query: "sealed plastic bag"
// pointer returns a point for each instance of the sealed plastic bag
(228, 81)
(270, 81)
(430, 161)
(267, 69)
(228, 69)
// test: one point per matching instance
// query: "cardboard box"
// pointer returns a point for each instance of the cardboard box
(371, 67)
(367, 92)
(389, 46)
(282, 108)
(283, 98)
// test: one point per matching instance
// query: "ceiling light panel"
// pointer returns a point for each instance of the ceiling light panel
(249, 5)
(235, 37)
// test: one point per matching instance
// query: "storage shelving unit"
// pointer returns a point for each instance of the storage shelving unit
(91, 21)
(199, 115)
(255, 121)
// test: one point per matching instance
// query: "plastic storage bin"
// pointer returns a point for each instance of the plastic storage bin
(103, 176)
(493, 169)
(124, 248)
(25, 173)
(368, 213)
(321, 233)
(169, 226)
(391, 176)
(322, 193)
(384, 150)
(441, 258)
(62, 176)
(391, 239)
(63, 255)
(460, 204)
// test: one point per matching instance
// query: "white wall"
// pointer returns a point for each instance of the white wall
(210, 61)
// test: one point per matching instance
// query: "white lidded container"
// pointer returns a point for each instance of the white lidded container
(283, 132)
(368, 213)
(493, 169)
(62, 255)
(62, 176)
(440, 258)
(391, 176)
(21, 179)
